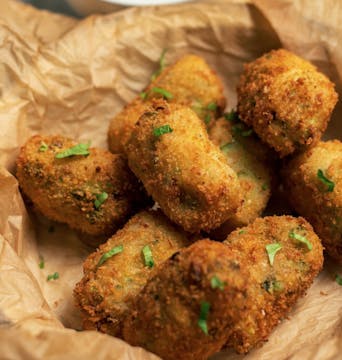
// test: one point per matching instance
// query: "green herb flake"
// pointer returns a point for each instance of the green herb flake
(301, 239)
(242, 232)
(239, 130)
(162, 65)
(264, 187)
(330, 184)
(43, 147)
(148, 257)
(166, 94)
(115, 250)
(217, 283)
(207, 119)
(212, 107)
(41, 263)
(272, 249)
(165, 129)
(143, 95)
(202, 321)
(79, 149)
(338, 279)
(53, 276)
(231, 116)
(100, 199)
(226, 147)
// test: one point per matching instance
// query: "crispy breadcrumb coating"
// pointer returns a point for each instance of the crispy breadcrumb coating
(184, 172)
(106, 292)
(286, 100)
(313, 181)
(187, 309)
(94, 194)
(190, 81)
(273, 288)
(254, 173)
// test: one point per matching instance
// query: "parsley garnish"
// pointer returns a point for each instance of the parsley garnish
(242, 232)
(239, 130)
(162, 65)
(43, 147)
(216, 282)
(53, 276)
(330, 184)
(79, 149)
(143, 95)
(166, 94)
(264, 187)
(338, 279)
(212, 107)
(207, 119)
(100, 199)
(109, 254)
(225, 147)
(41, 262)
(202, 321)
(272, 249)
(148, 257)
(162, 130)
(301, 239)
(231, 116)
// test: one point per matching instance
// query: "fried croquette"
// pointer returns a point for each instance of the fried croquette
(190, 81)
(286, 100)
(187, 309)
(184, 172)
(313, 181)
(91, 190)
(284, 255)
(107, 290)
(254, 175)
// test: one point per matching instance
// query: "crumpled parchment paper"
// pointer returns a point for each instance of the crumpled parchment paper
(60, 75)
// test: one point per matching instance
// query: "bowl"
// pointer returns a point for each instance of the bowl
(87, 7)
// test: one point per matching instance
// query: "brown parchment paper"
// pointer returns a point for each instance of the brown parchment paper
(62, 76)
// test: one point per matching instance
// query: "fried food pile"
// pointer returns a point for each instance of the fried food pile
(201, 270)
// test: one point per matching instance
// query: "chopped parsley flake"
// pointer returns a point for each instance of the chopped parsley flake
(109, 254)
(43, 147)
(239, 129)
(225, 147)
(100, 199)
(53, 276)
(301, 239)
(41, 262)
(143, 95)
(202, 321)
(162, 65)
(216, 282)
(207, 119)
(242, 232)
(264, 187)
(231, 116)
(330, 184)
(272, 249)
(212, 107)
(338, 279)
(166, 94)
(148, 257)
(162, 130)
(79, 149)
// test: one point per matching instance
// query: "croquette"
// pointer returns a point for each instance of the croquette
(107, 291)
(313, 181)
(286, 100)
(190, 81)
(284, 256)
(91, 190)
(183, 171)
(253, 173)
(187, 308)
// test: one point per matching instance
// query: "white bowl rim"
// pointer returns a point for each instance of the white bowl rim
(143, 2)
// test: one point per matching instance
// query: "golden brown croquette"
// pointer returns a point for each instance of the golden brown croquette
(286, 100)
